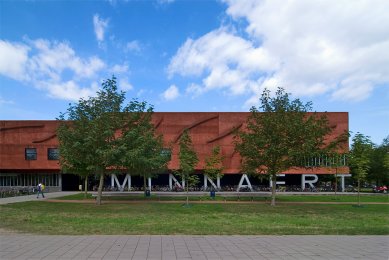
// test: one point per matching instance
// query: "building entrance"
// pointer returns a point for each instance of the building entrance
(70, 182)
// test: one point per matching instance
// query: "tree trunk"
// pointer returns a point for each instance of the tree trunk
(273, 189)
(336, 182)
(144, 185)
(100, 189)
(187, 192)
(86, 186)
(359, 187)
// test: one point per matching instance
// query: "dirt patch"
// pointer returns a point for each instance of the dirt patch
(209, 202)
(4, 231)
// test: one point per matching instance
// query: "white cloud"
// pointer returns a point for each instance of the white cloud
(194, 90)
(13, 58)
(69, 90)
(125, 85)
(171, 93)
(162, 2)
(100, 25)
(308, 47)
(228, 60)
(6, 102)
(55, 68)
(122, 72)
(133, 46)
(120, 69)
(55, 57)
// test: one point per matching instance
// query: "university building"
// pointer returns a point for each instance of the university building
(29, 153)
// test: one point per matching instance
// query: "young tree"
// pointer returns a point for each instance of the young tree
(379, 170)
(335, 161)
(94, 121)
(214, 165)
(94, 140)
(140, 148)
(359, 158)
(188, 160)
(279, 137)
(73, 146)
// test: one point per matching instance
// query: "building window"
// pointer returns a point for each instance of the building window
(52, 154)
(167, 152)
(30, 154)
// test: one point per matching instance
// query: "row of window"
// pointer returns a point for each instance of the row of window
(326, 161)
(53, 153)
(31, 154)
(31, 179)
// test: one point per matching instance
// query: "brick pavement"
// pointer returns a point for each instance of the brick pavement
(16, 246)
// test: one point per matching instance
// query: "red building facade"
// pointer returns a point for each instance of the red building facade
(29, 148)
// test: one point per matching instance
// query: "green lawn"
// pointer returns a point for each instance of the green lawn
(150, 217)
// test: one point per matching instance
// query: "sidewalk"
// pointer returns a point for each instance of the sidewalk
(50, 195)
(193, 247)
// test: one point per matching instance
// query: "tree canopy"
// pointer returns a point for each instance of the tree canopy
(359, 158)
(188, 160)
(101, 134)
(279, 134)
(214, 164)
(379, 164)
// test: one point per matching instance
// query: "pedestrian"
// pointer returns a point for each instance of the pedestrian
(41, 187)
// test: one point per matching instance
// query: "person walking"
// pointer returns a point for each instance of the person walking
(41, 187)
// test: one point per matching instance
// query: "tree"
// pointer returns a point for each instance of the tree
(334, 161)
(73, 145)
(214, 164)
(280, 137)
(94, 139)
(359, 158)
(140, 149)
(187, 160)
(379, 166)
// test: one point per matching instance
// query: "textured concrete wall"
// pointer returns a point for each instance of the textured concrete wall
(207, 130)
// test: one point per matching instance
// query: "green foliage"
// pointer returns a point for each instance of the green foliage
(279, 137)
(87, 140)
(379, 164)
(188, 160)
(139, 148)
(187, 155)
(214, 164)
(102, 134)
(360, 156)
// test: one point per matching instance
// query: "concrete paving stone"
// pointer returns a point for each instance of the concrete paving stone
(178, 247)
(229, 258)
(126, 256)
(139, 257)
(154, 255)
(198, 258)
(180, 256)
(168, 251)
(111, 256)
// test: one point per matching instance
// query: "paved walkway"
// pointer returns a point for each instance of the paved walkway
(50, 195)
(193, 247)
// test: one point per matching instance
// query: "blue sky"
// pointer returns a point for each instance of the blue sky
(197, 55)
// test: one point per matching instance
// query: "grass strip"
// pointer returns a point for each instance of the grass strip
(40, 217)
